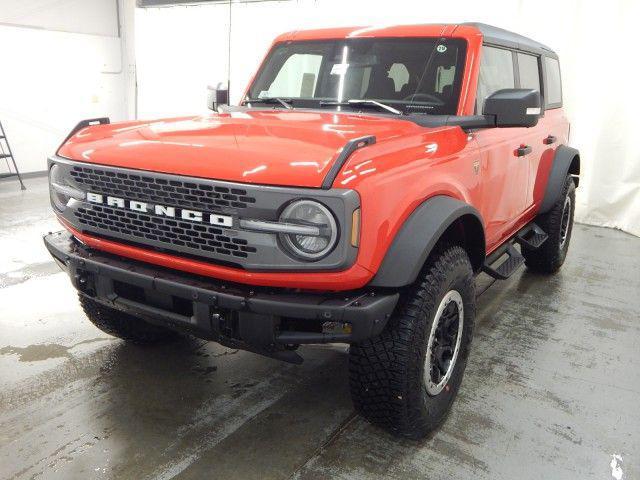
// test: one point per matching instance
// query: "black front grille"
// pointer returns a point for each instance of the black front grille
(191, 194)
(200, 237)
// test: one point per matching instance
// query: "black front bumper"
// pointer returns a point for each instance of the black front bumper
(266, 321)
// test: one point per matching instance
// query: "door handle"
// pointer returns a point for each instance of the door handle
(549, 140)
(523, 150)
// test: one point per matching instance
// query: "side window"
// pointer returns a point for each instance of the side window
(297, 78)
(496, 73)
(553, 85)
(529, 71)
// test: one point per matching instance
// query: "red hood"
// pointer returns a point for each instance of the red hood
(256, 146)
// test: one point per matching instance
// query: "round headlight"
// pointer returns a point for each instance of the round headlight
(312, 214)
(59, 189)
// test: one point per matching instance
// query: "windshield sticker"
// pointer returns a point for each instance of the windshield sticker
(263, 94)
(339, 68)
(441, 48)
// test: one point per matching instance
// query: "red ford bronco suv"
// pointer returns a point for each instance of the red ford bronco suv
(364, 180)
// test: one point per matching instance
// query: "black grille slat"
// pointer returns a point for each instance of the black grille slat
(187, 194)
(195, 236)
(199, 238)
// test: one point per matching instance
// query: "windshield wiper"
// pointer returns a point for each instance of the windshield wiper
(362, 103)
(284, 103)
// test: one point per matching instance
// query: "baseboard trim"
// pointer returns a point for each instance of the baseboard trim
(14, 178)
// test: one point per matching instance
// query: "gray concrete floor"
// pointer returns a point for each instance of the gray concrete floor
(552, 388)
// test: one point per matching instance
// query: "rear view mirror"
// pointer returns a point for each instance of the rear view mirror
(514, 107)
(217, 96)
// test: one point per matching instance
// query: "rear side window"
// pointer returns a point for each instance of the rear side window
(496, 73)
(528, 71)
(553, 85)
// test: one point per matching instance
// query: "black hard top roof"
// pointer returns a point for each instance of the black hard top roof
(500, 37)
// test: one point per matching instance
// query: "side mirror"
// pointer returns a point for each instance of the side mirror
(514, 107)
(217, 96)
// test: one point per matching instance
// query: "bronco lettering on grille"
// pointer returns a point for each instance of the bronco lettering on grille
(161, 210)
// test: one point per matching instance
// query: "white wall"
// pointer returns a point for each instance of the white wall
(95, 17)
(179, 50)
(61, 62)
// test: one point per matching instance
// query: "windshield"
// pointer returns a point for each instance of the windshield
(413, 75)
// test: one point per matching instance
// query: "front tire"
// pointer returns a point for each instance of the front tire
(122, 325)
(558, 224)
(406, 379)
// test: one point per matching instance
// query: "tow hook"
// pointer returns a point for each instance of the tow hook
(84, 282)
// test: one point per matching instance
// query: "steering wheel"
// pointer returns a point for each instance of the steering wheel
(423, 97)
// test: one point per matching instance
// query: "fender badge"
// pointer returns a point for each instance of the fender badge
(476, 167)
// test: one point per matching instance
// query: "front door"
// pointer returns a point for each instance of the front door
(504, 166)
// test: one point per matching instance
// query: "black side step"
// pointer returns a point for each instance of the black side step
(503, 271)
(532, 237)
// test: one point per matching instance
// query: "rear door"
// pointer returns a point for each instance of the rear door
(552, 129)
(505, 176)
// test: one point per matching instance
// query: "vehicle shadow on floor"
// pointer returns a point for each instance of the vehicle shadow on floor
(183, 407)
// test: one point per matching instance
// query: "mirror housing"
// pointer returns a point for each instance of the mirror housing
(217, 96)
(514, 107)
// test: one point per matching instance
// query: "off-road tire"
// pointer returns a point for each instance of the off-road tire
(386, 373)
(125, 326)
(550, 256)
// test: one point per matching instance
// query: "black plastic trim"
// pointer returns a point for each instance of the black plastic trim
(257, 309)
(419, 235)
(559, 170)
(82, 124)
(347, 150)
(466, 122)
(522, 151)
(504, 38)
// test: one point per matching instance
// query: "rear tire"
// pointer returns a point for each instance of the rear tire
(406, 379)
(122, 325)
(558, 224)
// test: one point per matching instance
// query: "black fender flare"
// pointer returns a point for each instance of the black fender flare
(566, 160)
(419, 235)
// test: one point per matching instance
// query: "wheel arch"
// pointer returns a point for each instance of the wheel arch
(439, 218)
(566, 161)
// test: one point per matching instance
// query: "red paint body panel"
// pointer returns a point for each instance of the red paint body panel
(269, 147)
(407, 165)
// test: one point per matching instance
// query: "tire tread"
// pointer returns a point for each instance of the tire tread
(385, 371)
(548, 258)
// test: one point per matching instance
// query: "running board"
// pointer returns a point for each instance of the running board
(507, 268)
(530, 237)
